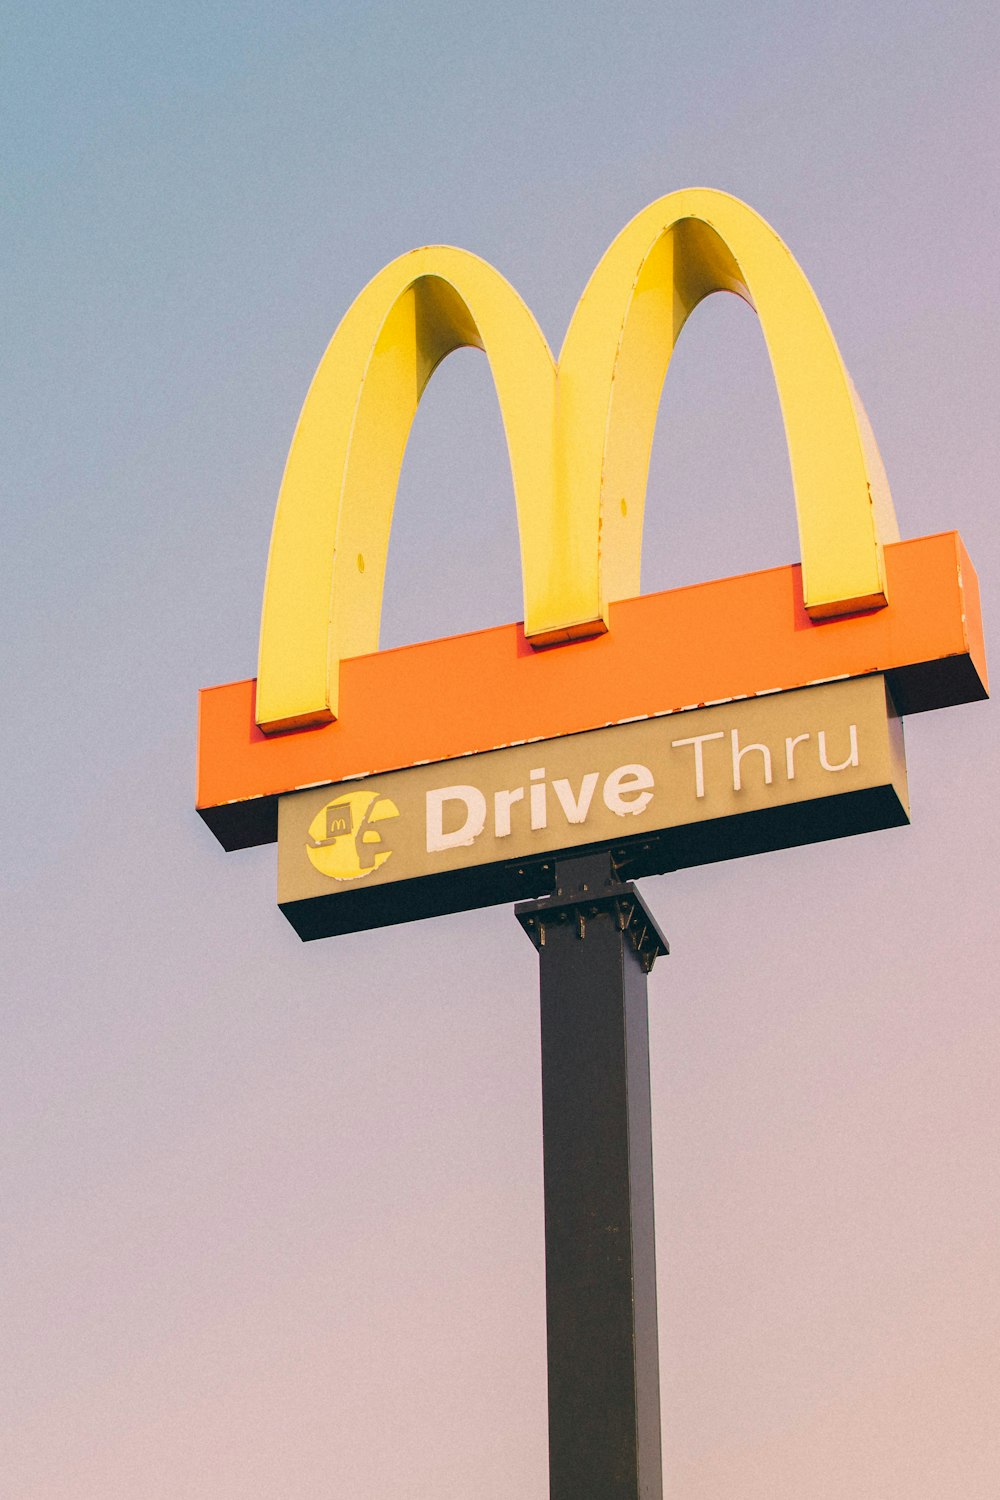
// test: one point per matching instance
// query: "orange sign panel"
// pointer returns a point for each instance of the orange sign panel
(732, 638)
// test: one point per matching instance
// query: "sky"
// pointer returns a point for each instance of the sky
(272, 1212)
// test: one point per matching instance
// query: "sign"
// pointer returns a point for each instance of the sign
(685, 789)
(335, 728)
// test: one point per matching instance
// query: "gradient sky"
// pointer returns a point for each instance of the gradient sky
(272, 1213)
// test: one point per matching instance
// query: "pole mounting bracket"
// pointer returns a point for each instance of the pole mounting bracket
(586, 886)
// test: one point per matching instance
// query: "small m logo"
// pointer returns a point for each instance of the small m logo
(338, 821)
(344, 840)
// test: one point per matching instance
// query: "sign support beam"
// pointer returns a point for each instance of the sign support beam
(596, 943)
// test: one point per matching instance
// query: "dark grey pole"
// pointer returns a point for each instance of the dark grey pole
(596, 943)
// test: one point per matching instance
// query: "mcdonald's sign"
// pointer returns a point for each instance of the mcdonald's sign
(744, 713)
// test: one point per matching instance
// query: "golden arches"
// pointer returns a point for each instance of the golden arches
(579, 440)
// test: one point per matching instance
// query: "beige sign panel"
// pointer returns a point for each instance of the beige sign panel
(686, 788)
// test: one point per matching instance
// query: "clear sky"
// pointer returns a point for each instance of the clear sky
(272, 1213)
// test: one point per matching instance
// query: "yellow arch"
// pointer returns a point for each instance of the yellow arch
(323, 594)
(612, 368)
(579, 441)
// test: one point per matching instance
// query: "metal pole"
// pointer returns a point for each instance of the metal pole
(596, 943)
